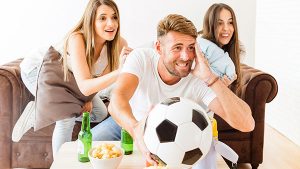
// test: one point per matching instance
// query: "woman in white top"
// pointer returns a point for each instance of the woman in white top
(92, 52)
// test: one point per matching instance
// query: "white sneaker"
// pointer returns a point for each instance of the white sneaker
(25, 122)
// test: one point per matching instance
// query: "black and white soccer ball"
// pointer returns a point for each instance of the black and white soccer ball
(179, 132)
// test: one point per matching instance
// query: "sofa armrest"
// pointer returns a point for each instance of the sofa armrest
(258, 88)
(14, 94)
(13, 98)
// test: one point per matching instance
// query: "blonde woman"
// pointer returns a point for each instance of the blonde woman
(91, 51)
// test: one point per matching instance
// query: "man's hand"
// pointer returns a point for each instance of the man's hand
(138, 132)
(202, 69)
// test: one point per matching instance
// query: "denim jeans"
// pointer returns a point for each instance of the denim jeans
(62, 133)
(107, 130)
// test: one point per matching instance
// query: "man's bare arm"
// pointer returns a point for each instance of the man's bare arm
(121, 111)
(232, 109)
(119, 107)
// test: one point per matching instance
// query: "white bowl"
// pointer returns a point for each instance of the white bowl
(110, 163)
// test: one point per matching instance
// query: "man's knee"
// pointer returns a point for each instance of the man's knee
(107, 130)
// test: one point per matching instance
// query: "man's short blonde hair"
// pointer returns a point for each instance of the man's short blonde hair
(177, 23)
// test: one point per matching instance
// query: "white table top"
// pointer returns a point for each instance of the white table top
(67, 158)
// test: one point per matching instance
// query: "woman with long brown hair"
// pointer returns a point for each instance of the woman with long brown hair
(220, 27)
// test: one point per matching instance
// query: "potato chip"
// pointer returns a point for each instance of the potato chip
(106, 151)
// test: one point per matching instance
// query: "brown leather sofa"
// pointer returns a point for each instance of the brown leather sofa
(34, 149)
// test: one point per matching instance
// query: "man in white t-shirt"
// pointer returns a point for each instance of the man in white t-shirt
(150, 76)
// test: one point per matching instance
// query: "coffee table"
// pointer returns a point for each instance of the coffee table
(67, 158)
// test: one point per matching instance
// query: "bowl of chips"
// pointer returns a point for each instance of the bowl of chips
(106, 155)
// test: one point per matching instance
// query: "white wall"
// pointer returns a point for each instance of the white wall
(27, 24)
(278, 53)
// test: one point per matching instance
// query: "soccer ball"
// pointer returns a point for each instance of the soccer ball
(179, 132)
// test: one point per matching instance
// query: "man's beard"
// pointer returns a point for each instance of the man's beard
(177, 73)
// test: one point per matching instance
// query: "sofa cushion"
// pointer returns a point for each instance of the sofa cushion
(56, 99)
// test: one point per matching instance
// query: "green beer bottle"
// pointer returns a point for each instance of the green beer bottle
(84, 139)
(126, 142)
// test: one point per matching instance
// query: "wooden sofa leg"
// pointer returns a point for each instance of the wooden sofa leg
(254, 166)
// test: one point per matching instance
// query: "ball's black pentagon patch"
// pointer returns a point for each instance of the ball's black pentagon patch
(199, 119)
(166, 131)
(170, 101)
(190, 157)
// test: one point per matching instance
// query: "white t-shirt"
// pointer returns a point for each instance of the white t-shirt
(151, 90)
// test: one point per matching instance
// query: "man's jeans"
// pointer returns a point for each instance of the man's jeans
(107, 130)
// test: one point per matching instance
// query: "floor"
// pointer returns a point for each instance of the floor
(279, 153)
